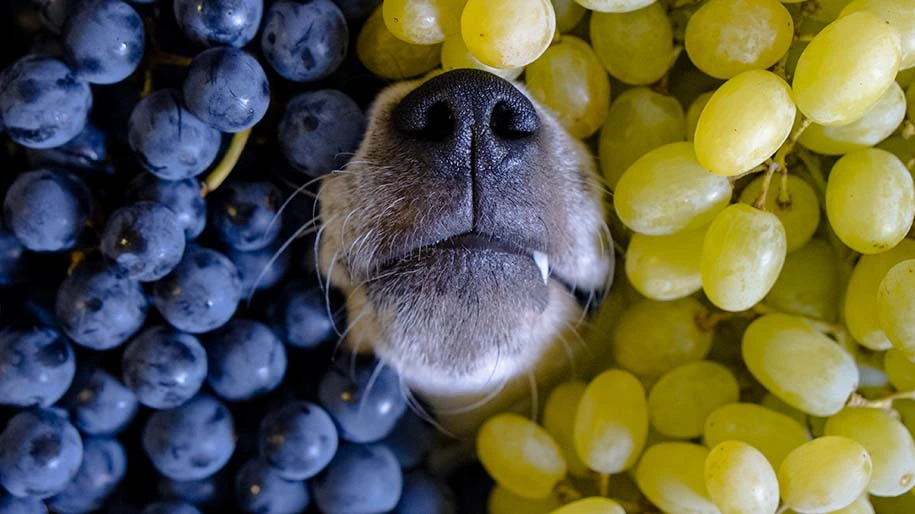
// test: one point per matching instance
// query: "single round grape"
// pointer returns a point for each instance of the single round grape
(652, 338)
(181, 196)
(144, 240)
(40, 453)
(245, 359)
(424, 493)
(304, 41)
(520, 455)
(568, 14)
(507, 33)
(824, 475)
(672, 476)
(260, 489)
(740, 480)
(611, 424)
(164, 367)
(44, 102)
(559, 420)
(888, 443)
(299, 439)
(98, 307)
(797, 207)
(681, 400)
(47, 210)
(98, 403)
(169, 141)
(299, 315)
(861, 315)
(798, 364)
(744, 122)
(170, 507)
(899, 15)
(639, 120)
(860, 506)
(104, 40)
(614, 5)
(219, 22)
(455, 55)
(227, 89)
(809, 283)
(569, 80)
(260, 269)
(593, 505)
(870, 200)
(899, 369)
(245, 215)
(103, 467)
(774, 434)
(846, 68)
(666, 267)
(423, 22)
(190, 442)
(742, 255)
(693, 113)
(876, 125)
(503, 501)
(411, 440)
(36, 366)
(667, 191)
(896, 306)
(390, 58)
(366, 403)
(636, 46)
(727, 37)
(361, 479)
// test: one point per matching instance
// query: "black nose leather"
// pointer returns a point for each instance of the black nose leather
(467, 107)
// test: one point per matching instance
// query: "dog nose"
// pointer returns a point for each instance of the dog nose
(467, 108)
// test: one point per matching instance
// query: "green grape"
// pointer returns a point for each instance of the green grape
(888, 443)
(652, 338)
(727, 37)
(614, 5)
(612, 422)
(455, 56)
(846, 68)
(682, 399)
(742, 255)
(503, 501)
(744, 123)
(422, 22)
(672, 476)
(901, 147)
(636, 47)
(568, 14)
(692, 114)
(827, 10)
(899, 14)
(569, 80)
(774, 434)
(520, 455)
(861, 316)
(389, 57)
(896, 306)
(876, 125)
(594, 505)
(559, 420)
(639, 121)
(870, 200)
(809, 283)
(665, 267)
(798, 364)
(823, 475)
(507, 33)
(772, 402)
(900, 370)
(860, 506)
(740, 480)
(797, 208)
(668, 191)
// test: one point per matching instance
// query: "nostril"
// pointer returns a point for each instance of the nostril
(439, 122)
(513, 120)
(425, 118)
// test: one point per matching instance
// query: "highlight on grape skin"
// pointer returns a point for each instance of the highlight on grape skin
(172, 342)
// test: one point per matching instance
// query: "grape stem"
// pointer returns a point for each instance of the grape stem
(760, 202)
(907, 130)
(567, 492)
(885, 403)
(603, 484)
(168, 59)
(76, 257)
(778, 164)
(229, 160)
(707, 320)
(782, 509)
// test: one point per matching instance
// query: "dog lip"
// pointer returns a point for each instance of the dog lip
(468, 241)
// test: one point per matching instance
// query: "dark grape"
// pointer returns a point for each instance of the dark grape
(144, 240)
(300, 316)
(410, 440)
(103, 467)
(227, 88)
(13, 505)
(100, 404)
(299, 439)
(182, 197)
(47, 210)
(219, 22)
(361, 479)
(259, 269)
(366, 404)
(104, 40)
(164, 367)
(245, 359)
(40, 452)
(423, 494)
(304, 41)
(170, 507)
(260, 490)
(320, 130)
(245, 214)
(87, 151)
(196, 492)
(36, 366)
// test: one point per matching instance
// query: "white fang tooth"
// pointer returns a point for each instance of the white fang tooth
(543, 264)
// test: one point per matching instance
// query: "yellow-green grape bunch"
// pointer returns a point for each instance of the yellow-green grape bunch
(507, 33)
(772, 433)
(809, 283)
(568, 14)
(899, 15)
(422, 22)
(740, 480)
(570, 81)
(824, 475)
(681, 400)
(455, 55)
(796, 206)
(666, 267)
(896, 306)
(672, 476)
(727, 37)
(389, 57)
(637, 46)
